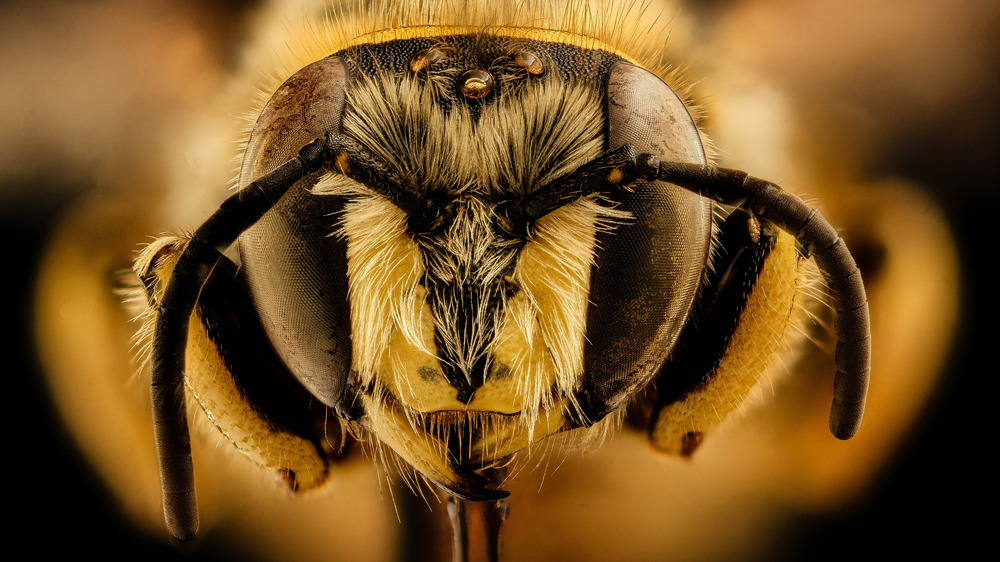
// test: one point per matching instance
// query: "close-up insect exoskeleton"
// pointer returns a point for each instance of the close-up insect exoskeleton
(460, 237)
(482, 287)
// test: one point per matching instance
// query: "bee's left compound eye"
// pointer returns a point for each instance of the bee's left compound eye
(287, 145)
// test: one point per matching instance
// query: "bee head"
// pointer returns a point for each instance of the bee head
(461, 257)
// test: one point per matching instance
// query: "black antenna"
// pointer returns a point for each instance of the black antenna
(818, 239)
(203, 250)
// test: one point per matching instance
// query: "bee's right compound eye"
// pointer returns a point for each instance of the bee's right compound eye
(295, 268)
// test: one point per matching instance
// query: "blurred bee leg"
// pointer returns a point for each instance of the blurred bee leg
(239, 380)
(236, 376)
(711, 370)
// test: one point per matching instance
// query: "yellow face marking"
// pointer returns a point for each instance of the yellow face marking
(538, 341)
(540, 338)
(393, 335)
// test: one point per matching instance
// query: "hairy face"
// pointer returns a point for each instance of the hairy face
(494, 294)
(465, 329)
(466, 317)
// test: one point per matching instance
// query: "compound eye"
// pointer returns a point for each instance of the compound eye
(289, 251)
(509, 221)
(655, 262)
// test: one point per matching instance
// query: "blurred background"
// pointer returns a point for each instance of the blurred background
(886, 112)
